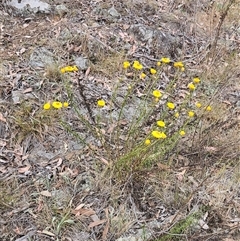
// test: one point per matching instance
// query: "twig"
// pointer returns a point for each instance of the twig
(220, 23)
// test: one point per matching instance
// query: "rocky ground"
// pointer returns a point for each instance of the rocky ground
(51, 188)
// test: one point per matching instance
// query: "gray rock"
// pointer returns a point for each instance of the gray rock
(142, 33)
(41, 57)
(17, 96)
(81, 236)
(82, 63)
(61, 197)
(141, 235)
(113, 12)
(61, 10)
(31, 6)
(163, 43)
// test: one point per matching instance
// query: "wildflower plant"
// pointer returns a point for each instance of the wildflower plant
(146, 121)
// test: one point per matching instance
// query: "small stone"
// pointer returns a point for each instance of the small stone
(41, 57)
(82, 63)
(61, 10)
(113, 12)
(32, 6)
(17, 96)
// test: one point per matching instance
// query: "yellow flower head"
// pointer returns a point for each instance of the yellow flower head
(191, 86)
(198, 105)
(179, 65)
(157, 93)
(137, 65)
(196, 80)
(47, 106)
(65, 104)
(161, 123)
(209, 108)
(126, 64)
(101, 103)
(170, 105)
(165, 60)
(57, 105)
(191, 113)
(62, 70)
(159, 63)
(153, 71)
(182, 133)
(176, 114)
(69, 69)
(159, 135)
(142, 76)
(147, 142)
(74, 68)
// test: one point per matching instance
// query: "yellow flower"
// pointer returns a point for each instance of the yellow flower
(69, 69)
(191, 113)
(161, 123)
(198, 105)
(176, 114)
(170, 105)
(101, 103)
(157, 93)
(137, 65)
(74, 68)
(196, 80)
(178, 65)
(163, 135)
(182, 133)
(158, 63)
(62, 70)
(191, 86)
(142, 76)
(47, 106)
(153, 71)
(65, 104)
(156, 99)
(182, 69)
(147, 142)
(165, 60)
(209, 108)
(57, 105)
(159, 135)
(126, 64)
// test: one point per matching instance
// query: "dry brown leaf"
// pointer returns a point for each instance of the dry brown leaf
(59, 163)
(3, 143)
(84, 212)
(104, 161)
(3, 169)
(2, 118)
(180, 175)
(87, 71)
(96, 223)
(95, 218)
(81, 205)
(106, 228)
(133, 50)
(24, 169)
(47, 233)
(28, 90)
(210, 149)
(46, 193)
(163, 167)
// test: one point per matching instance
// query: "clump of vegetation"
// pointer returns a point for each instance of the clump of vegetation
(145, 135)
